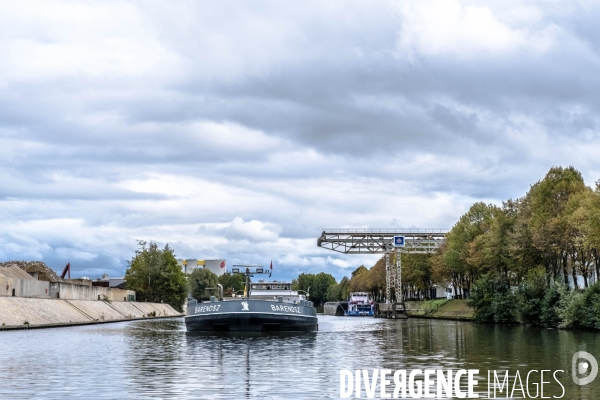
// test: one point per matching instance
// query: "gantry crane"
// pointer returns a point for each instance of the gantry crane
(384, 241)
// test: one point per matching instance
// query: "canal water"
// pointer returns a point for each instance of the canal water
(158, 359)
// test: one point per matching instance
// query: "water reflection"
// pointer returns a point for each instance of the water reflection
(250, 365)
(158, 359)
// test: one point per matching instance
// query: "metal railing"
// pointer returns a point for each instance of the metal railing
(386, 231)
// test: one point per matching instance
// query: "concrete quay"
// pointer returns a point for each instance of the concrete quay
(440, 309)
(456, 309)
(32, 313)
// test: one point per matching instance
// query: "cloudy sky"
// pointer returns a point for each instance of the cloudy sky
(241, 129)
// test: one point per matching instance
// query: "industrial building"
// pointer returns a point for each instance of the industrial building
(217, 267)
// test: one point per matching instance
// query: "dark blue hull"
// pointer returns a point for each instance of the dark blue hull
(359, 314)
(250, 322)
(249, 315)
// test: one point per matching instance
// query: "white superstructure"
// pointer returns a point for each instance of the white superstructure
(273, 290)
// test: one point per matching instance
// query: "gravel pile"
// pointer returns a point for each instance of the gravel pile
(13, 271)
(45, 273)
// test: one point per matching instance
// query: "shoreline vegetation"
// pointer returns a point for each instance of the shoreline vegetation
(533, 260)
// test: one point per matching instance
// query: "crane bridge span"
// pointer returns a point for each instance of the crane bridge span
(385, 241)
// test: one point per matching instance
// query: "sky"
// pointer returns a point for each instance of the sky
(240, 130)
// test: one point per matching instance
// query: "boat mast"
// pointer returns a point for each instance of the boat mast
(247, 283)
(248, 272)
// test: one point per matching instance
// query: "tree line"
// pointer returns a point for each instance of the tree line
(417, 278)
(525, 254)
(555, 226)
(532, 259)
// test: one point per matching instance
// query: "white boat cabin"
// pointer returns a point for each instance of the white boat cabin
(273, 290)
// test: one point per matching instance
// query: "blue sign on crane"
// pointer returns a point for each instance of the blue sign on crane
(398, 241)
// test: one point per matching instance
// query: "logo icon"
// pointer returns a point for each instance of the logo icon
(398, 241)
(581, 367)
(245, 306)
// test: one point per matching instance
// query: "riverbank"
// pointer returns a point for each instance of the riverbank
(34, 313)
(440, 309)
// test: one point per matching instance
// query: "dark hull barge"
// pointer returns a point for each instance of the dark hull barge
(267, 311)
(248, 315)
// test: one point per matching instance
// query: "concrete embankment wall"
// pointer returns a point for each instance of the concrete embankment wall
(35, 312)
(24, 287)
(72, 291)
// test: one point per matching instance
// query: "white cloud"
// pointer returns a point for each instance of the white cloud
(241, 132)
(466, 30)
(254, 231)
(74, 254)
(51, 39)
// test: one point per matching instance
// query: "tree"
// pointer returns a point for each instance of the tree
(321, 284)
(339, 291)
(417, 275)
(464, 251)
(344, 291)
(303, 282)
(359, 270)
(524, 255)
(200, 280)
(231, 283)
(531, 295)
(548, 220)
(583, 216)
(493, 300)
(376, 279)
(155, 275)
(360, 280)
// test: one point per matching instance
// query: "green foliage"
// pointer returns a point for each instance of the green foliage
(322, 283)
(548, 219)
(482, 299)
(578, 309)
(323, 287)
(569, 304)
(359, 270)
(589, 316)
(339, 291)
(231, 283)
(200, 280)
(344, 288)
(504, 307)
(155, 276)
(320, 286)
(555, 225)
(552, 233)
(549, 317)
(531, 296)
(360, 281)
(333, 293)
(416, 274)
(303, 282)
(493, 300)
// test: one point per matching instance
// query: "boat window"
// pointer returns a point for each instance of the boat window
(274, 286)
